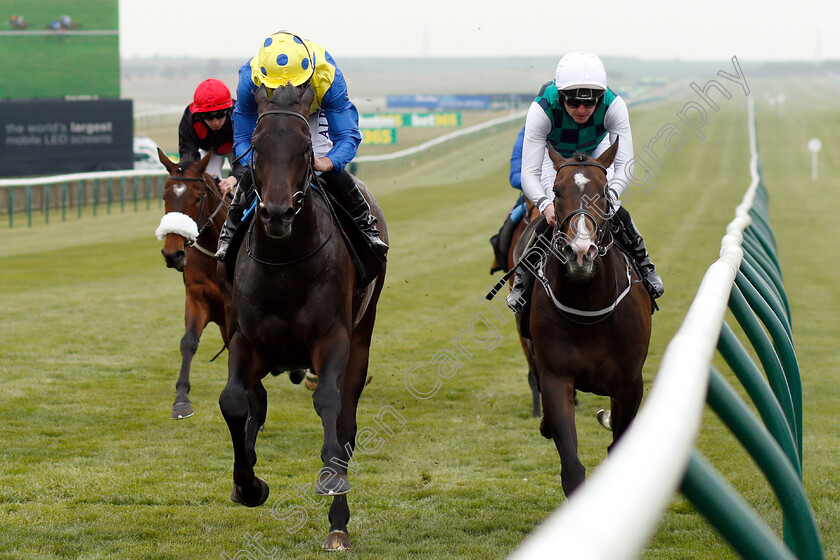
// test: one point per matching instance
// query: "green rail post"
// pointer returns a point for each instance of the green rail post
(109, 197)
(79, 199)
(729, 514)
(29, 204)
(766, 353)
(95, 195)
(122, 195)
(148, 193)
(783, 345)
(772, 277)
(134, 183)
(753, 381)
(11, 207)
(757, 230)
(47, 204)
(768, 292)
(64, 201)
(761, 248)
(801, 532)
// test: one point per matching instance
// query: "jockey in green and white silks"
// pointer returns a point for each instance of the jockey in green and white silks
(549, 120)
(577, 112)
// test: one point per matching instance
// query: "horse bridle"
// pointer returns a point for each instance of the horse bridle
(559, 239)
(201, 210)
(300, 196)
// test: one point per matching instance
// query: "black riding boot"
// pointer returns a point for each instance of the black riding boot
(344, 189)
(523, 281)
(241, 201)
(501, 245)
(632, 240)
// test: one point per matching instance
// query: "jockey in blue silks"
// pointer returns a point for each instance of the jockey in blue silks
(284, 58)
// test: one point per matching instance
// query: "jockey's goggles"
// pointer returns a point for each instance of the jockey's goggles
(214, 115)
(587, 97)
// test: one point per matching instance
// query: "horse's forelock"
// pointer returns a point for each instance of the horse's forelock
(285, 97)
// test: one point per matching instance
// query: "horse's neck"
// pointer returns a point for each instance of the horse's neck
(214, 200)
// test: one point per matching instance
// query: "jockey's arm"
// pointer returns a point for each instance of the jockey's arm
(187, 144)
(617, 123)
(537, 128)
(244, 118)
(515, 176)
(343, 122)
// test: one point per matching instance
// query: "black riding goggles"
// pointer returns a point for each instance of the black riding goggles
(574, 103)
(215, 115)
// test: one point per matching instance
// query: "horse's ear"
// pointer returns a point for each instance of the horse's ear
(167, 163)
(556, 158)
(201, 166)
(261, 97)
(606, 159)
(307, 95)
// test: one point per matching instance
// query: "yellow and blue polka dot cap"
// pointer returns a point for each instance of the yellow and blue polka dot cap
(283, 58)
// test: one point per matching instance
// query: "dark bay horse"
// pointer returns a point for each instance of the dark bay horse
(296, 304)
(531, 213)
(195, 212)
(590, 316)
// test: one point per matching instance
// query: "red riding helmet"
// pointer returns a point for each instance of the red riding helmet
(211, 95)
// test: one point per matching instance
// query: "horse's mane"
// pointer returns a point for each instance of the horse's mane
(580, 156)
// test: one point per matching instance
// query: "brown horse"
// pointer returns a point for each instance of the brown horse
(590, 315)
(195, 212)
(531, 214)
(296, 303)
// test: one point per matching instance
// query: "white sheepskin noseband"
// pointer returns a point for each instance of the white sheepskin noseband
(177, 223)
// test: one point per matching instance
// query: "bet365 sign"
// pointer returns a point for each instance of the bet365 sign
(379, 136)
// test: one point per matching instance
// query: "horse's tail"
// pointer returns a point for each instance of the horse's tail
(219, 353)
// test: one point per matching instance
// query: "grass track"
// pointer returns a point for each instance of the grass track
(92, 467)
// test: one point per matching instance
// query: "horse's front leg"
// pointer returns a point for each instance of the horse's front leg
(329, 359)
(351, 390)
(558, 397)
(242, 365)
(623, 408)
(257, 406)
(196, 317)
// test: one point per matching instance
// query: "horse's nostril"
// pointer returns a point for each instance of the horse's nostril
(288, 215)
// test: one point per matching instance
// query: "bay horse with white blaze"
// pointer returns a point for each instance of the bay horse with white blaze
(590, 319)
(295, 291)
(195, 211)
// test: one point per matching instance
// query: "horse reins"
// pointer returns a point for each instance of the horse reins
(600, 314)
(299, 196)
(600, 229)
(201, 210)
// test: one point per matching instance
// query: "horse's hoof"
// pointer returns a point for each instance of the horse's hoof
(182, 410)
(237, 497)
(604, 418)
(297, 376)
(337, 540)
(310, 381)
(544, 429)
(331, 483)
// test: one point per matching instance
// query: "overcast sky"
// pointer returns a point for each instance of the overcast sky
(752, 30)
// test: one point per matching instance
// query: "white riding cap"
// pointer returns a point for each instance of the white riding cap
(580, 70)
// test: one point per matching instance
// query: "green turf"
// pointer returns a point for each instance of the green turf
(55, 66)
(92, 466)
